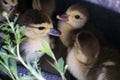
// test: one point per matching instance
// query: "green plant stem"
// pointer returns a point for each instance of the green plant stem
(39, 77)
(8, 71)
(61, 74)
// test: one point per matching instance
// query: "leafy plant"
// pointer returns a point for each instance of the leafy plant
(10, 53)
(59, 64)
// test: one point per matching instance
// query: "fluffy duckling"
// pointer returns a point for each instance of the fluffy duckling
(76, 15)
(47, 6)
(107, 66)
(74, 18)
(82, 55)
(7, 6)
(38, 26)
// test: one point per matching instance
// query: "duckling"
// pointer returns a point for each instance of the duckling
(38, 26)
(107, 66)
(76, 15)
(47, 6)
(74, 18)
(82, 55)
(7, 6)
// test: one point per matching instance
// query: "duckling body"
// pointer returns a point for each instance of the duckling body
(82, 55)
(73, 24)
(31, 48)
(107, 66)
(76, 69)
(70, 24)
(37, 27)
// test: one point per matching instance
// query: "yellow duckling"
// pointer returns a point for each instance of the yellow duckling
(74, 18)
(38, 26)
(82, 55)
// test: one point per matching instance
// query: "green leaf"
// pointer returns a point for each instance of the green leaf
(4, 57)
(13, 66)
(11, 24)
(61, 65)
(47, 48)
(53, 65)
(3, 69)
(15, 19)
(2, 51)
(13, 70)
(43, 50)
(6, 29)
(6, 37)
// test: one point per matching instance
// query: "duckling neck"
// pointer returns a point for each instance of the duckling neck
(31, 47)
(65, 30)
(79, 70)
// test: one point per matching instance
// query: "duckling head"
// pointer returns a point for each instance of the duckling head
(7, 6)
(37, 24)
(87, 47)
(76, 15)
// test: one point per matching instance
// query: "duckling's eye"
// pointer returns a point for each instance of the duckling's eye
(41, 28)
(77, 17)
(5, 2)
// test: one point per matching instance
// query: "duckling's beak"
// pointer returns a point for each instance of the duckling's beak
(54, 32)
(63, 17)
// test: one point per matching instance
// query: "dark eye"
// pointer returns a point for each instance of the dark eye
(41, 28)
(5, 2)
(77, 17)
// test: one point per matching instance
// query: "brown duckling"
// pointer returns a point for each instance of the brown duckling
(47, 6)
(82, 55)
(38, 26)
(107, 66)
